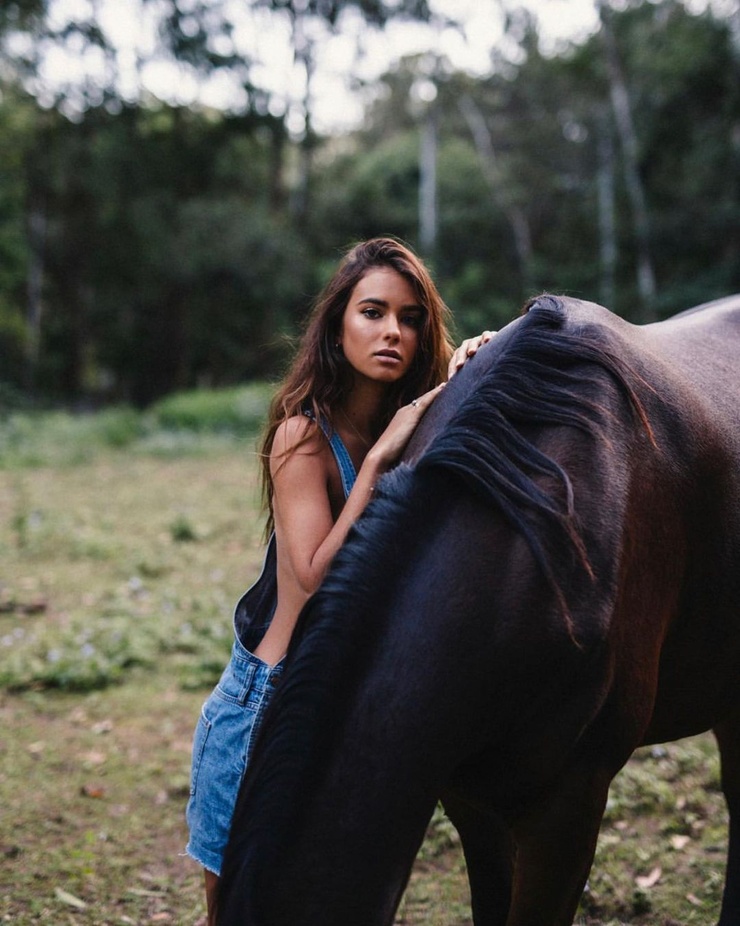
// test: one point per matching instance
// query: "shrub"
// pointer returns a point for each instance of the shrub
(239, 410)
(181, 424)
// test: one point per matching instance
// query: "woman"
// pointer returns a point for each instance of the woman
(373, 358)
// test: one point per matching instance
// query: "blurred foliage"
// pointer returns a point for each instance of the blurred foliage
(238, 411)
(179, 424)
(147, 248)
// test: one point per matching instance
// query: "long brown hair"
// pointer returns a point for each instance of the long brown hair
(319, 377)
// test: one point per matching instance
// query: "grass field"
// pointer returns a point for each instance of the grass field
(120, 561)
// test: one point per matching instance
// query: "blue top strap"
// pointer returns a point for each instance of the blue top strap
(341, 454)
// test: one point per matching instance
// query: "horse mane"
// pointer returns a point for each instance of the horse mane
(544, 377)
(547, 375)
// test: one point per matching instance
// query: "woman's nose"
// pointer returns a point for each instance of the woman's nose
(392, 328)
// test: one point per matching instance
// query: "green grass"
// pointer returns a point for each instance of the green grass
(110, 534)
(127, 561)
(119, 574)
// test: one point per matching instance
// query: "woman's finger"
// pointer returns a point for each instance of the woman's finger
(468, 349)
(422, 402)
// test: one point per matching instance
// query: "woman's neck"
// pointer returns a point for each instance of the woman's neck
(362, 413)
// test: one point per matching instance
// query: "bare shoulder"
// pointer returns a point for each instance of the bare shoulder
(296, 436)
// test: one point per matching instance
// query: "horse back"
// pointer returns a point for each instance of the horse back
(670, 497)
(702, 347)
(686, 508)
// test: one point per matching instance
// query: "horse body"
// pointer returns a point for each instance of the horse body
(702, 648)
(550, 581)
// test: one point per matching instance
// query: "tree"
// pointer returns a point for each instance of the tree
(684, 71)
(17, 340)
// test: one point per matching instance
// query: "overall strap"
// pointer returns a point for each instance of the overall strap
(341, 454)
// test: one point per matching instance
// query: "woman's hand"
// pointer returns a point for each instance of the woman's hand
(391, 443)
(466, 350)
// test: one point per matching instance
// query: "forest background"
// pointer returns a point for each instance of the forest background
(147, 247)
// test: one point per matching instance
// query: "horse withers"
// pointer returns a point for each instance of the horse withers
(550, 580)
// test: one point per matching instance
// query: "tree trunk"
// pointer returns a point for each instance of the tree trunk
(35, 277)
(515, 215)
(428, 184)
(277, 163)
(607, 215)
(303, 50)
(628, 140)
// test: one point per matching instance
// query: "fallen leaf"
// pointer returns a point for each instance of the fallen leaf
(647, 881)
(680, 842)
(103, 726)
(36, 605)
(693, 899)
(36, 748)
(69, 899)
(96, 791)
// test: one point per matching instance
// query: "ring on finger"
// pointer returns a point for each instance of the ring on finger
(414, 402)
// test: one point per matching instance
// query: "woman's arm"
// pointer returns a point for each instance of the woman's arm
(308, 537)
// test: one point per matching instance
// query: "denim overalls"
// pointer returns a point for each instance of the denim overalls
(232, 715)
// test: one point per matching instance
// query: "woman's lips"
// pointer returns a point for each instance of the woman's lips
(388, 356)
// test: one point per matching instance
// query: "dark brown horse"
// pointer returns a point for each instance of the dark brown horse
(549, 581)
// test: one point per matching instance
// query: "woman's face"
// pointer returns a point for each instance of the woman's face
(380, 326)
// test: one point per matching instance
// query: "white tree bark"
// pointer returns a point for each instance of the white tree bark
(646, 286)
(515, 215)
(34, 288)
(428, 217)
(607, 214)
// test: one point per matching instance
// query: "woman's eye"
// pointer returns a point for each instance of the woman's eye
(413, 320)
(371, 313)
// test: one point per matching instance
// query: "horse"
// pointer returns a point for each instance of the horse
(549, 580)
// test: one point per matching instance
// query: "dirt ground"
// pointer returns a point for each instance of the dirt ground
(93, 789)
